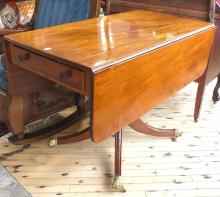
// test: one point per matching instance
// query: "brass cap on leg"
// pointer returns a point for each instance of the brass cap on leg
(117, 185)
(52, 142)
(177, 134)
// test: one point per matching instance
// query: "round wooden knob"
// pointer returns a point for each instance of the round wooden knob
(24, 57)
(66, 74)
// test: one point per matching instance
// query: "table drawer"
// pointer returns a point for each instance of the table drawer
(57, 72)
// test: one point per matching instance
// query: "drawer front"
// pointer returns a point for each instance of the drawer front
(57, 72)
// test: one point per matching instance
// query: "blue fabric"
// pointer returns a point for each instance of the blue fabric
(56, 12)
(3, 81)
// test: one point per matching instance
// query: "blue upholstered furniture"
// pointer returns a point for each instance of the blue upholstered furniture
(55, 12)
(51, 13)
(3, 82)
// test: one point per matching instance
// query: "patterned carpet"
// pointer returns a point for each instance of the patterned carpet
(9, 187)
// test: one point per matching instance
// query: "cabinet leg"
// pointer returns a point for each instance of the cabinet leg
(117, 184)
(216, 96)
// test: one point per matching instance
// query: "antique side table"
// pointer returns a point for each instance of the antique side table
(125, 64)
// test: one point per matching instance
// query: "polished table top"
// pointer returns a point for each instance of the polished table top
(107, 40)
(126, 63)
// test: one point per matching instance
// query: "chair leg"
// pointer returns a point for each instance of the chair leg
(216, 96)
(199, 98)
(117, 185)
(76, 137)
(3, 130)
(16, 115)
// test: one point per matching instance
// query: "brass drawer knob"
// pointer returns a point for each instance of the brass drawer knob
(66, 74)
(24, 57)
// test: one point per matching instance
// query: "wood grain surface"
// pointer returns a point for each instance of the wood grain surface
(132, 61)
(97, 42)
(127, 91)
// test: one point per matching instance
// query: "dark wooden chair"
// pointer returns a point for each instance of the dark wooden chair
(23, 11)
(47, 98)
(105, 4)
(201, 9)
(216, 95)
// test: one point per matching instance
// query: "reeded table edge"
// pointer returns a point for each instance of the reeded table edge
(109, 64)
(106, 65)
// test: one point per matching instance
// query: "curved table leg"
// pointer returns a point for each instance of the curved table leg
(77, 137)
(117, 184)
(216, 96)
(142, 127)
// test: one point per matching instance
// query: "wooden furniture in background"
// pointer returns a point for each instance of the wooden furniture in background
(18, 12)
(216, 95)
(24, 10)
(105, 4)
(192, 8)
(203, 9)
(121, 79)
(43, 98)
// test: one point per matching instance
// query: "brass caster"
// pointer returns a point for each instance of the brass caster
(52, 142)
(177, 134)
(117, 185)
